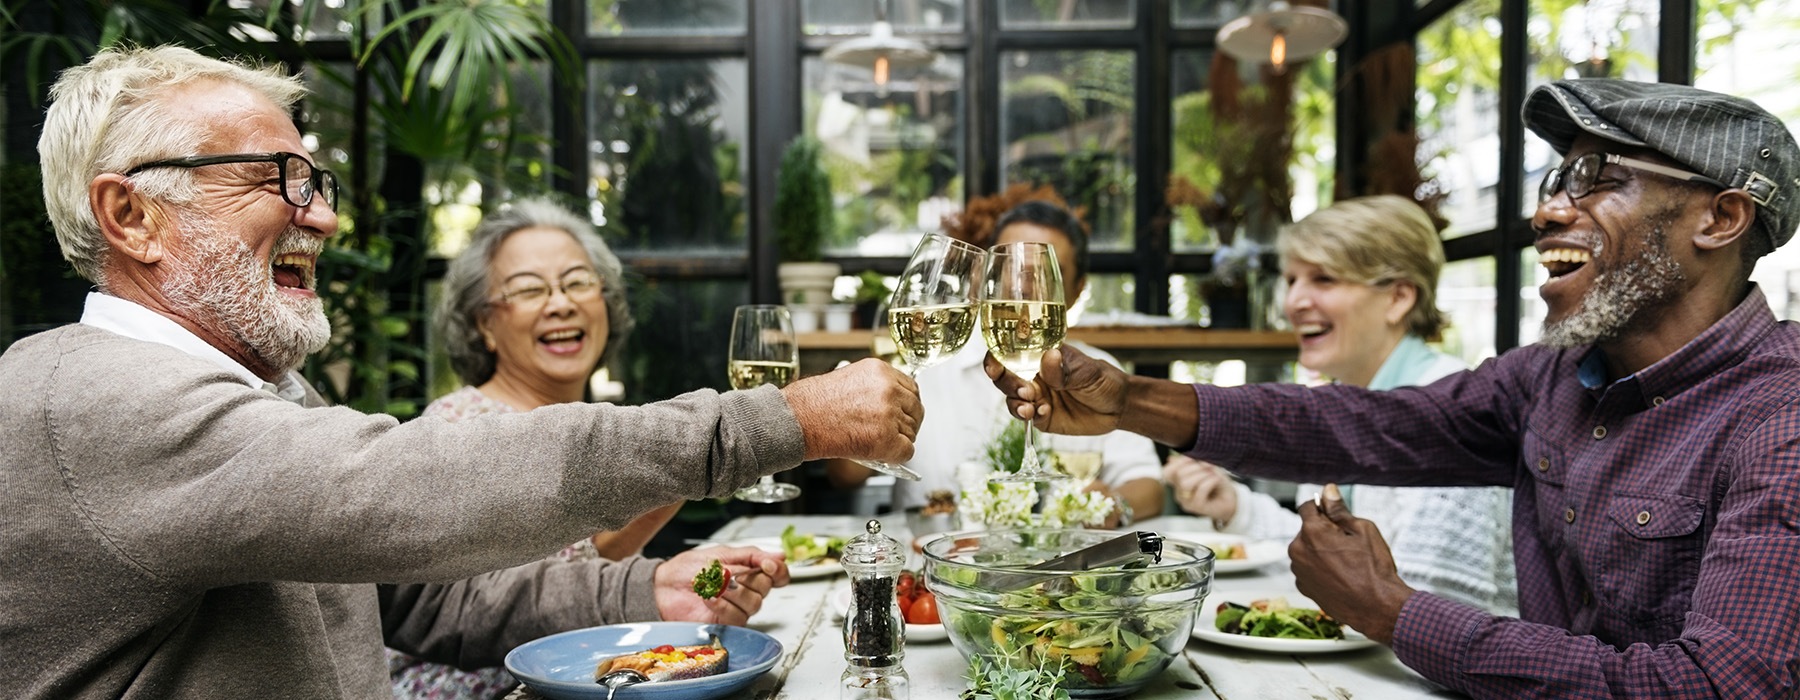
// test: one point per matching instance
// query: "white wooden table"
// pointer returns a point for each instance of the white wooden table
(802, 617)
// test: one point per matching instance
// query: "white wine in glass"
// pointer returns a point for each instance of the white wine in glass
(1022, 317)
(932, 312)
(764, 350)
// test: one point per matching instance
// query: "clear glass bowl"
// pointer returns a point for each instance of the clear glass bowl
(1113, 629)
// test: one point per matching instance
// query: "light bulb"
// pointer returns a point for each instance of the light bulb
(881, 71)
(1278, 51)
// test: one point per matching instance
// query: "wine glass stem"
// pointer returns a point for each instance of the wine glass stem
(1029, 462)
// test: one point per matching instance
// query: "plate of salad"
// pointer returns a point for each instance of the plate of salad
(808, 556)
(1275, 621)
(1235, 554)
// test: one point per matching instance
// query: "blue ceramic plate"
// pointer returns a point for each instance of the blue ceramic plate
(561, 666)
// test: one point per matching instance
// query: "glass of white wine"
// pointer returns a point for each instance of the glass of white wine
(932, 312)
(1022, 317)
(764, 350)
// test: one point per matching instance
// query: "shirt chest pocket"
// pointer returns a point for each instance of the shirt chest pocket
(1649, 555)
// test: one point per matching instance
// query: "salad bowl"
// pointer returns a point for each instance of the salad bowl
(1112, 629)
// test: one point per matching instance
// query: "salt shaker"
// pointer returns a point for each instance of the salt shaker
(874, 638)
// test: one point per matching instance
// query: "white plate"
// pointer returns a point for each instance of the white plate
(840, 602)
(773, 544)
(1206, 629)
(1261, 552)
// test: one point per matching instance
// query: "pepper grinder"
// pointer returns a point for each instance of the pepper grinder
(874, 638)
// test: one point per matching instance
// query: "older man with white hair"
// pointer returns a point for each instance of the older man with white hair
(184, 516)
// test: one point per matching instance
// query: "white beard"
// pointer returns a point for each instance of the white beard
(218, 283)
(1619, 296)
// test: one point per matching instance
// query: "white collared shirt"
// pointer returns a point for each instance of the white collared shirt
(963, 413)
(133, 320)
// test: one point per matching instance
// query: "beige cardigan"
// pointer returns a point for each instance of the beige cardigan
(169, 531)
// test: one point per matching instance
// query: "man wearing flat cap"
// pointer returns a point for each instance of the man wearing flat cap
(1652, 438)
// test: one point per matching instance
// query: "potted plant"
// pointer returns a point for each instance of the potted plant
(802, 221)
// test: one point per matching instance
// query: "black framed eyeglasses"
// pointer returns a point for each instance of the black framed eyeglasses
(300, 179)
(1580, 175)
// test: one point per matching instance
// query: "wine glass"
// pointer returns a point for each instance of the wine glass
(932, 312)
(1022, 317)
(763, 351)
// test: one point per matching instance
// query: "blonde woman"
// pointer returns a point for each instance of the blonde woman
(1361, 295)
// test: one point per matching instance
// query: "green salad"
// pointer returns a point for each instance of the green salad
(1273, 617)
(806, 549)
(1103, 628)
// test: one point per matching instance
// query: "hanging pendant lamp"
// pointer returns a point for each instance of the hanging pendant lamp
(881, 51)
(1282, 34)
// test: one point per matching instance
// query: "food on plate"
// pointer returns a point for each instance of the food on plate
(1235, 550)
(669, 663)
(804, 550)
(1274, 618)
(939, 502)
(711, 581)
(917, 605)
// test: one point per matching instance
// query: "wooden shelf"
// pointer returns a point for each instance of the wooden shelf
(1131, 344)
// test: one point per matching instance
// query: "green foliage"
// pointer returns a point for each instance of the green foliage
(1007, 449)
(802, 202)
(369, 351)
(998, 681)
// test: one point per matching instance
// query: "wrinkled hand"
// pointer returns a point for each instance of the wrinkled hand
(1343, 564)
(1073, 394)
(867, 410)
(1201, 488)
(753, 573)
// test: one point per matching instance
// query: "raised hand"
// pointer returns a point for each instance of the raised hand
(1343, 564)
(753, 573)
(867, 410)
(1073, 394)
(1201, 488)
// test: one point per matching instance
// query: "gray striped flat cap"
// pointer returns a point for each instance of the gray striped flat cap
(1729, 139)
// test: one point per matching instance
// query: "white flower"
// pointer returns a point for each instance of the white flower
(1010, 504)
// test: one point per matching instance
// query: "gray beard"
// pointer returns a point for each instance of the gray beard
(1619, 296)
(226, 290)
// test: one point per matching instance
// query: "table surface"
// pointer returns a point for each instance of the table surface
(802, 617)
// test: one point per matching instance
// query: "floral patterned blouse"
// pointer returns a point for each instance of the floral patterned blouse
(414, 679)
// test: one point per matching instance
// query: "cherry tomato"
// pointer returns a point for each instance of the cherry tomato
(664, 649)
(923, 610)
(905, 586)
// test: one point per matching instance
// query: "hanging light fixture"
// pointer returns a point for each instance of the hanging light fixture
(1282, 34)
(881, 51)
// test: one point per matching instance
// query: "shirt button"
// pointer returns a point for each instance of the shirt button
(1569, 515)
(1643, 517)
(1599, 432)
(1656, 401)
(1543, 464)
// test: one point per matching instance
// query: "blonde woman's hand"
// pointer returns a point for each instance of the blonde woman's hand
(1202, 488)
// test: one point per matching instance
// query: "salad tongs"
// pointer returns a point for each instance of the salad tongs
(1130, 550)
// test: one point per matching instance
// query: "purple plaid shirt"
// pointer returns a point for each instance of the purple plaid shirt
(1656, 518)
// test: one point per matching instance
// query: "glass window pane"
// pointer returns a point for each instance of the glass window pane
(679, 344)
(1065, 120)
(1531, 306)
(836, 17)
(1067, 14)
(1584, 40)
(1209, 13)
(326, 119)
(1458, 101)
(513, 160)
(894, 153)
(322, 20)
(666, 17)
(1244, 300)
(1466, 296)
(1107, 297)
(666, 153)
(1736, 41)
(1216, 163)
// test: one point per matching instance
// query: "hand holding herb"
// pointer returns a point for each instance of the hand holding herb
(711, 581)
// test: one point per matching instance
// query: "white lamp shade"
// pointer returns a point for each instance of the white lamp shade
(864, 50)
(1308, 31)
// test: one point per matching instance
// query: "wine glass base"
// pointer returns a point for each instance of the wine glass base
(898, 471)
(769, 493)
